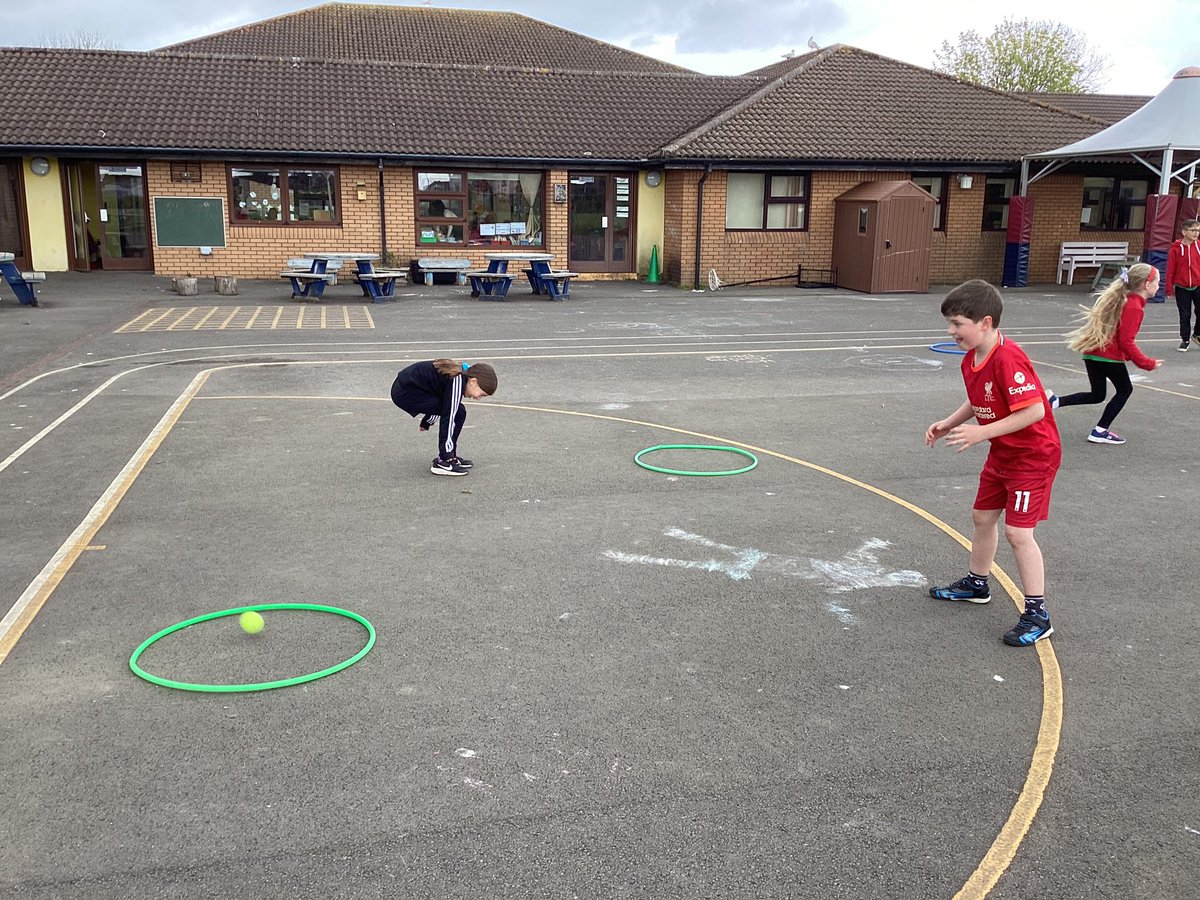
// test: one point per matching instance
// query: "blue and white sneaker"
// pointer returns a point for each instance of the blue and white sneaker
(1029, 630)
(962, 589)
(1052, 398)
(1104, 436)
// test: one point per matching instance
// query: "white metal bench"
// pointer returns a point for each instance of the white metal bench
(430, 264)
(1085, 254)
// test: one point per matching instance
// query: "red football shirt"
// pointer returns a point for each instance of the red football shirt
(997, 386)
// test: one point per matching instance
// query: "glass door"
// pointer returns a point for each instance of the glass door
(122, 193)
(601, 222)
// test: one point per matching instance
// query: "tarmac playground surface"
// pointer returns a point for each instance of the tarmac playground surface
(589, 679)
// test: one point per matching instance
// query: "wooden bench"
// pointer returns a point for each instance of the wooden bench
(20, 282)
(307, 285)
(491, 285)
(430, 264)
(1085, 254)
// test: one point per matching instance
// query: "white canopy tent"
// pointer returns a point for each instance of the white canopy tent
(1164, 136)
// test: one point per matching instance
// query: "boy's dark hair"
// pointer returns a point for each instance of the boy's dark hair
(974, 299)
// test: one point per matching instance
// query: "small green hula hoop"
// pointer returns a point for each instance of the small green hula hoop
(638, 458)
(264, 685)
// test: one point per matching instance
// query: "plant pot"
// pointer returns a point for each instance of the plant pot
(225, 285)
(187, 287)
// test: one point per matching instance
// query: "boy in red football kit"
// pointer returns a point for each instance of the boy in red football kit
(1010, 406)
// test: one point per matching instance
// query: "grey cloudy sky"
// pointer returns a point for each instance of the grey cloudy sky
(713, 36)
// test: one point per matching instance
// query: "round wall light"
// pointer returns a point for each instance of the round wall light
(39, 165)
(653, 178)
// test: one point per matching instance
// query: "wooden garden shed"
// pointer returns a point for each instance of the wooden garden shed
(883, 237)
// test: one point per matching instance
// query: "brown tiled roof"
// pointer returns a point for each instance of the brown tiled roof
(243, 105)
(1107, 108)
(354, 31)
(843, 104)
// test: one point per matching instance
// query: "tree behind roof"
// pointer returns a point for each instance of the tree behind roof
(1025, 56)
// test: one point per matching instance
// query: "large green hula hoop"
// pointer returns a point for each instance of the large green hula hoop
(264, 685)
(645, 465)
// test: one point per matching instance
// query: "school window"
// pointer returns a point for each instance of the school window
(1114, 204)
(936, 185)
(766, 201)
(482, 209)
(283, 196)
(996, 194)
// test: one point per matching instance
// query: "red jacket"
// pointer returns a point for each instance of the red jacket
(1122, 346)
(1183, 266)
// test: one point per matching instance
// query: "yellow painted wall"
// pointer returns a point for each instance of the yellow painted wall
(650, 206)
(47, 225)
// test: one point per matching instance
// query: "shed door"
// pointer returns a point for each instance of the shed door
(905, 245)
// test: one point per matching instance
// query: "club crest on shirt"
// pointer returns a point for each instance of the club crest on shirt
(988, 396)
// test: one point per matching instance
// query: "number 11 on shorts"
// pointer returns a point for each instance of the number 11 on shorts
(1021, 501)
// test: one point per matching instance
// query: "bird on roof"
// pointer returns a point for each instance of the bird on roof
(812, 44)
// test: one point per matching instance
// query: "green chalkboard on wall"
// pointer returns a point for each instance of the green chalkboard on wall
(189, 222)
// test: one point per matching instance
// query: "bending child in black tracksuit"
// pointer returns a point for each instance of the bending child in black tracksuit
(434, 390)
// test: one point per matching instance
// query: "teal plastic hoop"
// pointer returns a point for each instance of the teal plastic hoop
(263, 685)
(645, 465)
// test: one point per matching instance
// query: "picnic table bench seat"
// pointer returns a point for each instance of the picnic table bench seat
(556, 284)
(485, 282)
(380, 284)
(306, 284)
(1074, 255)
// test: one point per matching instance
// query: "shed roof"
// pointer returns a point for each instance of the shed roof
(885, 190)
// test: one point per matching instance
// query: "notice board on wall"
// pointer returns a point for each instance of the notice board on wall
(189, 222)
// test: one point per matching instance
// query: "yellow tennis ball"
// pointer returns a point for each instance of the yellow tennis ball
(252, 622)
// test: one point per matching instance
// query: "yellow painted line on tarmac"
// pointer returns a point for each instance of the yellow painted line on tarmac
(17, 619)
(218, 318)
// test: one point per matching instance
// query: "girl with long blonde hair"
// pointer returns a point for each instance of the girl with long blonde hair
(1107, 340)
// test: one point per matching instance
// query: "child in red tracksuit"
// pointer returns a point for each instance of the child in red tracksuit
(1183, 281)
(1106, 340)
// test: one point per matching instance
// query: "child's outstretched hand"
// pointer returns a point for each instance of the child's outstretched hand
(935, 431)
(423, 425)
(965, 435)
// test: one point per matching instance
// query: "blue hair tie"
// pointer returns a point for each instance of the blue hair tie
(467, 365)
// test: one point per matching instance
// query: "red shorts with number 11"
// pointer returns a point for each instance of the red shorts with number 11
(1025, 498)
